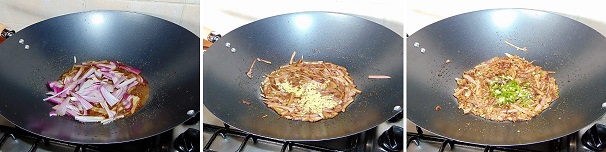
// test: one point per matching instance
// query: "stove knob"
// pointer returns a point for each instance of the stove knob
(595, 137)
(392, 139)
(188, 141)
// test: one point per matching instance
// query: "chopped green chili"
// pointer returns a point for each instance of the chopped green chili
(507, 90)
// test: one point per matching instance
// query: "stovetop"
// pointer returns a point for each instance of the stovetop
(16, 139)
(433, 142)
(227, 138)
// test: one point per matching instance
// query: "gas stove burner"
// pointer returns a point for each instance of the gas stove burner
(188, 141)
(431, 142)
(391, 139)
(595, 137)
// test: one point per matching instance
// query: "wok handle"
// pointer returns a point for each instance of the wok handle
(211, 37)
(5, 33)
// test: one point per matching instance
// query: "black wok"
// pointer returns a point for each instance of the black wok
(573, 50)
(167, 54)
(361, 46)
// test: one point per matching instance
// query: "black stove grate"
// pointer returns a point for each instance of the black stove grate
(23, 138)
(351, 142)
(564, 143)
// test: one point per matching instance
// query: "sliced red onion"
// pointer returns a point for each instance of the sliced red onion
(114, 79)
(111, 100)
(131, 69)
(105, 66)
(127, 68)
(93, 99)
(129, 98)
(56, 83)
(119, 94)
(92, 75)
(58, 93)
(127, 101)
(89, 90)
(128, 105)
(72, 107)
(88, 73)
(85, 103)
(79, 106)
(108, 87)
(66, 80)
(134, 100)
(108, 74)
(75, 78)
(140, 79)
(108, 120)
(109, 112)
(55, 86)
(62, 107)
(55, 100)
(119, 80)
(126, 83)
(89, 118)
(97, 93)
(75, 88)
(99, 84)
(51, 93)
(131, 85)
(86, 84)
(98, 73)
(52, 113)
(112, 63)
(72, 113)
(68, 88)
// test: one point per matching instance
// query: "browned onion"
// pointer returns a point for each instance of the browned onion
(474, 96)
(309, 91)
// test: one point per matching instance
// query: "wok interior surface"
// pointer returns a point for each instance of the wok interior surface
(363, 47)
(573, 50)
(167, 54)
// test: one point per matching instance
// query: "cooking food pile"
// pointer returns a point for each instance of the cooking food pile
(98, 91)
(506, 89)
(309, 91)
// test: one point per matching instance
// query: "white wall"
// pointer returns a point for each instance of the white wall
(421, 13)
(223, 16)
(18, 14)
